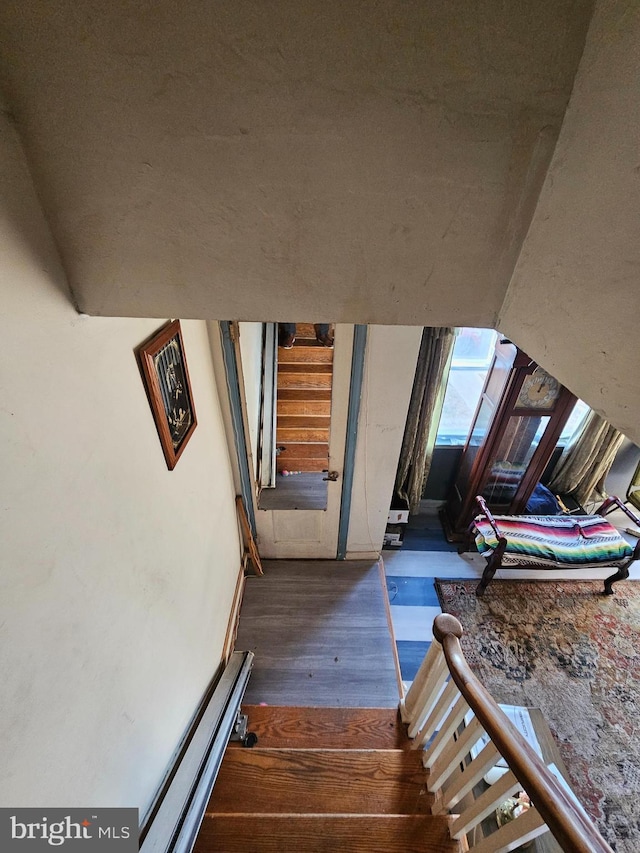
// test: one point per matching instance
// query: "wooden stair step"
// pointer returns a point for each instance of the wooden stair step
(318, 436)
(304, 343)
(300, 781)
(304, 381)
(305, 355)
(304, 407)
(267, 833)
(301, 421)
(304, 466)
(305, 331)
(304, 368)
(334, 728)
(295, 394)
(300, 450)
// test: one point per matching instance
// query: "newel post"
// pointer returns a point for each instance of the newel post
(445, 624)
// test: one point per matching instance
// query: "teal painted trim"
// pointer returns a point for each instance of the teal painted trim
(355, 394)
(239, 436)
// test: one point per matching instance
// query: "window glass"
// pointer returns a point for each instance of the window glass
(472, 355)
(512, 457)
(574, 424)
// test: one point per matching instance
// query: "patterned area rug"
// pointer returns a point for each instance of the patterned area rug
(564, 648)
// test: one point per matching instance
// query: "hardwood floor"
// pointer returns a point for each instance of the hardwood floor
(307, 490)
(320, 635)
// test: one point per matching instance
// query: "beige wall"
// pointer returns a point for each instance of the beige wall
(573, 302)
(117, 575)
(390, 366)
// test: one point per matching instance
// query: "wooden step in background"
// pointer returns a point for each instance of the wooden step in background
(319, 408)
(305, 377)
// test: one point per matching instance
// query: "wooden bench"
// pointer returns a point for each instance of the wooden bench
(554, 542)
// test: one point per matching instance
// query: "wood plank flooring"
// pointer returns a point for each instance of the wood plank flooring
(307, 490)
(320, 635)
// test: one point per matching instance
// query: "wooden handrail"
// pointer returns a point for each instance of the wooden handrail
(573, 830)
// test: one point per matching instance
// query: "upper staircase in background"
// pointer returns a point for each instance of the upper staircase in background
(305, 376)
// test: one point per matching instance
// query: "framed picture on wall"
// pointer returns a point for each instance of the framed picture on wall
(164, 369)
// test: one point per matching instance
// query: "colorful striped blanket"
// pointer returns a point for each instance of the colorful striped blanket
(548, 541)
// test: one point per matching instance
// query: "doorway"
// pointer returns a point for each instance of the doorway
(309, 429)
(303, 379)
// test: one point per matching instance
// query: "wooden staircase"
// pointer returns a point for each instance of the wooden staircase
(323, 779)
(305, 374)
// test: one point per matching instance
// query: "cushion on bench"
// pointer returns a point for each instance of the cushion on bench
(584, 541)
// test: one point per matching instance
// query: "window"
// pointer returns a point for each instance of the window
(574, 424)
(470, 363)
(472, 356)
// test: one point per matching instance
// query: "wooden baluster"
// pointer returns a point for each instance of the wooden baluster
(454, 753)
(445, 700)
(445, 732)
(513, 834)
(430, 677)
(473, 773)
(485, 804)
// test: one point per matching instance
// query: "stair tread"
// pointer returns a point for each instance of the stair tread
(302, 435)
(305, 354)
(302, 421)
(304, 381)
(304, 367)
(387, 781)
(341, 728)
(306, 331)
(267, 833)
(300, 449)
(311, 394)
(305, 466)
(297, 408)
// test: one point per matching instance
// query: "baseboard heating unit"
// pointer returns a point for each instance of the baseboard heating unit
(173, 822)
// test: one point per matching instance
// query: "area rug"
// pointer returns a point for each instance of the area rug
(564, 648)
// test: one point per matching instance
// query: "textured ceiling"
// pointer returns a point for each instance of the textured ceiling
(372, 162)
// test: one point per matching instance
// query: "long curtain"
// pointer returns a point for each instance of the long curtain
(584, 466)
(427, 396)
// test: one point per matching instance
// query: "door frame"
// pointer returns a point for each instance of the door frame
(238, 412)
(267, 435)
(237, 404)
(353, 415)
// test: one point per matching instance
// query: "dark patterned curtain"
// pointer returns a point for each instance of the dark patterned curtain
(427, 396)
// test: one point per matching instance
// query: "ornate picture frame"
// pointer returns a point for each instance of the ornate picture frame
(166, 378)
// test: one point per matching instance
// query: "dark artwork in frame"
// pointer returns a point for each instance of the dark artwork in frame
(166, 377)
